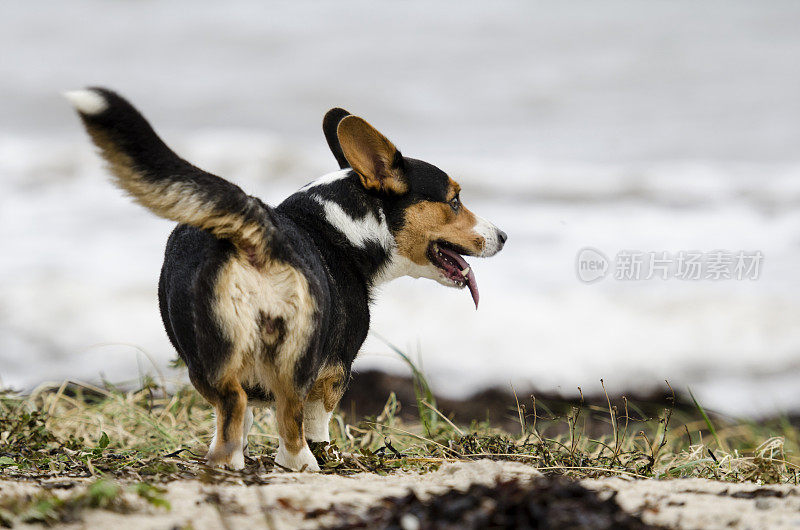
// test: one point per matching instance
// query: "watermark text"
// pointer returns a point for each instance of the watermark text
(592, 265)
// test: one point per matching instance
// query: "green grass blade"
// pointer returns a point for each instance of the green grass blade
(709, 424)
(422, 389)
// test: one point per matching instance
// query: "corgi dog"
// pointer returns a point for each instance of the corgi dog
(270, 305)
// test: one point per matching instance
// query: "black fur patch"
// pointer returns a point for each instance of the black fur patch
(273, 331)
(330, 125)
(258, 394)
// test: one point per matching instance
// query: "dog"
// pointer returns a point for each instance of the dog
(270, 305)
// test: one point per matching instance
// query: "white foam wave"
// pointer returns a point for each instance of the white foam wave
(80, 264)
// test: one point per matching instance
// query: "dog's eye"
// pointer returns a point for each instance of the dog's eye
(455, 203)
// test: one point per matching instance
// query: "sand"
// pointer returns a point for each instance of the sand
(288, 497)
(701, 503)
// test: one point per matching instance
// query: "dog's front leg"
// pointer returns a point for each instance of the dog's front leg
(293, 451)
(316, 420)
(324, 395)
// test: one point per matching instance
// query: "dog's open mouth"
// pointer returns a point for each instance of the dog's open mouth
(448, 259)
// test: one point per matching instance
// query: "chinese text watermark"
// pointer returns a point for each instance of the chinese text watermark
(592, 265)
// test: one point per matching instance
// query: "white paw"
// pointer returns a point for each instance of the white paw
(296, 462)
(230, 456)
(237, 461)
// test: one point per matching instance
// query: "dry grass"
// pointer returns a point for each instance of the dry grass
(126, 442)
(81, 430)
(140, 438)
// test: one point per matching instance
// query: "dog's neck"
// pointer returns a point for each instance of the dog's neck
(351, 224)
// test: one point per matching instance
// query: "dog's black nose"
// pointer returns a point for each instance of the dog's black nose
(502, 235)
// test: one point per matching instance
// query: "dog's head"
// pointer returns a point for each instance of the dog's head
(432, 228)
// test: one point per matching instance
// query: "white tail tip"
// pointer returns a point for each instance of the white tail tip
(87, 101)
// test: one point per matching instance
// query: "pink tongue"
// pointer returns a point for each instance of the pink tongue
(462, 264)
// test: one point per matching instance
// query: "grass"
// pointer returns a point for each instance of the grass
(127, 442)
(49, 508)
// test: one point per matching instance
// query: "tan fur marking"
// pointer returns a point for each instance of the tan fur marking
(279, 291)
(230, 411)
(289, 410)
(429, 221)
(264, 357)
(329, 387)
(454, 190)
(371, 155)
(179, 201)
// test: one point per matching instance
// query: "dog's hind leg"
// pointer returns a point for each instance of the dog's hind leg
(248, 424)
(230, 404)
(293, 451)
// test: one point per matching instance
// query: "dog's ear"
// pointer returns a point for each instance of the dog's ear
(376, 160)
(329, 125)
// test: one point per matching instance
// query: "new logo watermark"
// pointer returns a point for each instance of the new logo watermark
(591, 265)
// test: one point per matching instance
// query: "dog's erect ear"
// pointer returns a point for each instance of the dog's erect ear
(376, 160)
(329, 125)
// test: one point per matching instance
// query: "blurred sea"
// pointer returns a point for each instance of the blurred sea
(617, 125)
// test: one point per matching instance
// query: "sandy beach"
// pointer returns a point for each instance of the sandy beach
(307, 500)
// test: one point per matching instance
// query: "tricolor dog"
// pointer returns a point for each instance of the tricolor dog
(271, 304)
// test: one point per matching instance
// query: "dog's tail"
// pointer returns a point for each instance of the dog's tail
(160, 180)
